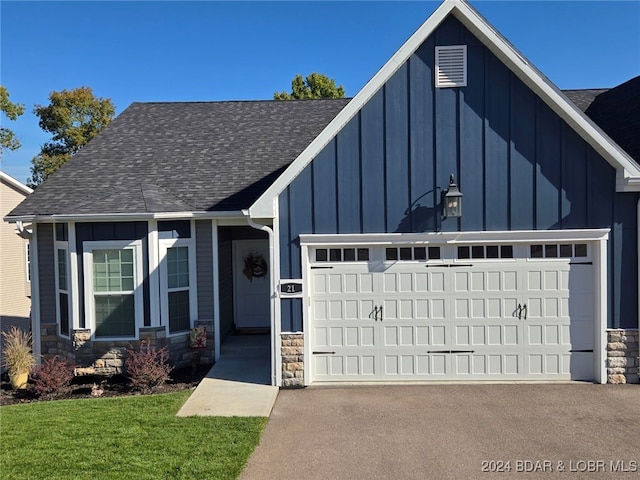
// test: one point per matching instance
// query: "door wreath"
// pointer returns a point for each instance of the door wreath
(255, 266)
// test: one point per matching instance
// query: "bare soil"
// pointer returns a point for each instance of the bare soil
(91, 386)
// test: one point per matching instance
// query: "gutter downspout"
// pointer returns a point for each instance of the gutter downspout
(22, 231)
(272, 292)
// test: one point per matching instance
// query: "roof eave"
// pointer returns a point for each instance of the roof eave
(15, 183)
(120, 217)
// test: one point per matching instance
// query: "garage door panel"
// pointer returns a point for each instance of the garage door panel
(453, 323)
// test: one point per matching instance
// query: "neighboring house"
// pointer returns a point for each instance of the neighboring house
(15, 285)
(323, 221)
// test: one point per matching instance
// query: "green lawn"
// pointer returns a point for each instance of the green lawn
(119, 438)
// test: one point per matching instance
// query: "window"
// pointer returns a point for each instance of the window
(62, 279)
(342, 255)
(113, 288)
(62, 285)
(566, 250)
(27, 256)
(412, 253)
(485, 251)
(177, 283)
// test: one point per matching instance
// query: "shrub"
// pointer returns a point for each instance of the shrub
(16, 354)
(147, 368)
(53, 378)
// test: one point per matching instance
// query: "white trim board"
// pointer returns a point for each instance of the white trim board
(629, 170)
(515, 236)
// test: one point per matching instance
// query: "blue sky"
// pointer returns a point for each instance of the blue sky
(207, 50)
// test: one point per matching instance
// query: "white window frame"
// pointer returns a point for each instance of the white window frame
(138, 277)
(27, 260)
(63, 246)
(163, 246)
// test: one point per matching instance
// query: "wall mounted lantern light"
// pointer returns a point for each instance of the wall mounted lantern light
(452, 205)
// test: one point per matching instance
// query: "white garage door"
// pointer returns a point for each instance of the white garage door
(482, 312)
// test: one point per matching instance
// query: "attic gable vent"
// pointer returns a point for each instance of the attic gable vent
(451, 66)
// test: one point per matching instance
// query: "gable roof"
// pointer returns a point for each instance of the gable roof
(181, 157)
(628, 171)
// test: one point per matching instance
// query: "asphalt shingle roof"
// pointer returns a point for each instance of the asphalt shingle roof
(176, 157)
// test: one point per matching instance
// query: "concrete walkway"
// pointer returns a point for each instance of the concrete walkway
(239, 384)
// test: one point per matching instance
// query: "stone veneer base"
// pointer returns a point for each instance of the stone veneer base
(292, 360)
(622, 356)
(108, 357)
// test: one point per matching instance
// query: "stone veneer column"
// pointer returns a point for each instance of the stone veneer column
(292, 360)
(622, 356)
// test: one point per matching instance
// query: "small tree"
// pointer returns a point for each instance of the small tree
(73, 117)
(315, 85)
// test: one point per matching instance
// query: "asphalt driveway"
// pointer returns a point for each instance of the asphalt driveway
(452, 432)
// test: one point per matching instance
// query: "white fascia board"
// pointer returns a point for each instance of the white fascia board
(264, 206)
(546, 90)
(627, 184)
(15, 183)
(122, 217)
(499, 46)
(515, 236)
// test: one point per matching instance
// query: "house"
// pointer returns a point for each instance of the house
(459, 219)
(15, 282)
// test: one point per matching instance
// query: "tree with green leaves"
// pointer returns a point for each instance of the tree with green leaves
(315, 85)
(12, 111)
(73, 117)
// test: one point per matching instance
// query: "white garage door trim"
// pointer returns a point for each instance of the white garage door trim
(597, 238)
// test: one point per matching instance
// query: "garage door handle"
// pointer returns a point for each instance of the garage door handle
(324, 353)
(380, 312)
(374, 314)
(524, 307)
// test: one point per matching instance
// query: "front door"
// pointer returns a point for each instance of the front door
(251, 283)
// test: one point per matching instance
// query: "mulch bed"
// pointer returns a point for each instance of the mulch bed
(91, 386)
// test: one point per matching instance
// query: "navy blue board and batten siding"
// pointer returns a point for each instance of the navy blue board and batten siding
(519, 166)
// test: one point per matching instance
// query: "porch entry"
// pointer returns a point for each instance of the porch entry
(251, 284)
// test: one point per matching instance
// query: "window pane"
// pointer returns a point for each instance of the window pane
(492, 251)
(566, 251)
(392, 254)
(349, 254)
(335, 255)
(64, 313)
(550, 251)
(115, 315)
(536, 251)
(463, 252)
(321, 255)
(113, 270)
(178, 267)
(420, 253)
(477, 251)
(405, 253)
(363, 254)
(62, 269)
(179, 317)
(506, 251)
(434, 253)
(581, 250)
